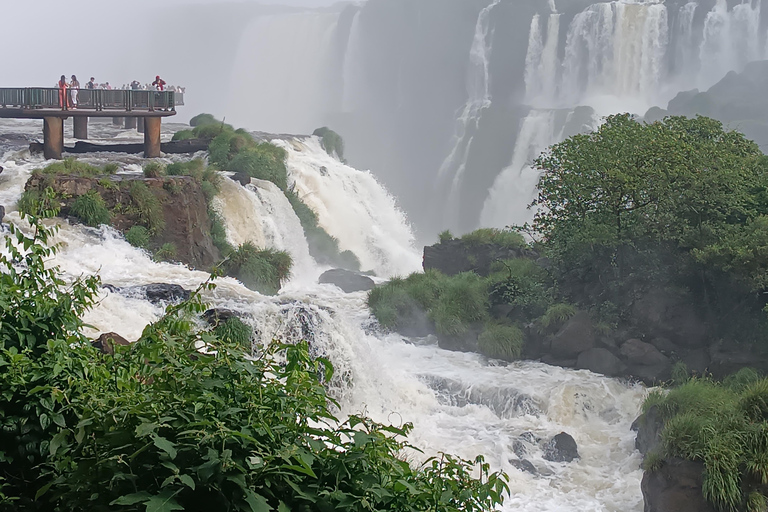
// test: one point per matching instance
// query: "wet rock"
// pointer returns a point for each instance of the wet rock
(1, 169)
(575, 337)
(524, 465)
(640, 353)
(162, 292)
(648, 427)
(675, 487)
(561, 448)
(665, 346)
(519, 448)
(452, 257)
(36, 148)
(346, 280)
(107, 341)
(241, 177)
(2, 210)
(110, 287)
(218, 315)
(530, 437)
(600, 360)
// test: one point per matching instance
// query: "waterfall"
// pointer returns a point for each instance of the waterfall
(239, 210)
(542, 64)
(353, 88)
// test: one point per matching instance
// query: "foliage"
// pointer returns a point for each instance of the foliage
(163, 425)
(723, 425)
(235, 332)
(148, 207)
(331, 142)
(90, 209)
(73, 167)
(33, 200)
(211, 130)
(522, 284)
(445, 236)
(262, 270)
(322, 246)
(501, 342)
(263, 161)
(463, 301)
(153, 170)
(506, 238)
(138, 236)
(166, 252)
(219, 232)
(201, 119)
(194, 168)
(557, 315)
(183, 135)
(111, 168)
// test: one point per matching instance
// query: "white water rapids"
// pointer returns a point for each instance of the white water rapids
(459, 403)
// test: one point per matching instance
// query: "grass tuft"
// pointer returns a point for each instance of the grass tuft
(501, 342)
(138, 236)
(90, 209)
(262, 270)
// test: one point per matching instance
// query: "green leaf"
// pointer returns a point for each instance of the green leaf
(145, 429)
(257, 502)
(188, 481)
(132, 499)
(163, 502)
(165, 445)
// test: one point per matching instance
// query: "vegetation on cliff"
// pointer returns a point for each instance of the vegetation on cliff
(164, 425)
(331, 142)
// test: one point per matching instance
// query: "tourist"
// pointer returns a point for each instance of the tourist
(91, 84)
(63, 100)
(74, 85)
(107, 86)
(159, 83)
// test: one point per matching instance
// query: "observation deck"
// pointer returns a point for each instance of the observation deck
(139, 109)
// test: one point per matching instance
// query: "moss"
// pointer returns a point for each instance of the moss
(148, 207)
(501, 342)
(331, 142)
(502, 237)
(262, 270)
(234, 330)
(154, 170)
(90, 209)
(138, 236)
(184, 135)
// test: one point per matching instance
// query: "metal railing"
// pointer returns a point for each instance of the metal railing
(89, 99)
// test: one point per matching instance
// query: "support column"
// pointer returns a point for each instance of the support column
(80, 127)
(152, 137)
(130, 123)
(117, 121)
(53, 137)
(140, 124)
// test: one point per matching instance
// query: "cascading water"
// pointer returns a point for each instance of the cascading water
(459, 403)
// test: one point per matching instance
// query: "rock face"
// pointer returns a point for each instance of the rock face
(648, 426)
(159, 292)
(241, 177)
(184, 209)
(675, 487)
(107, 341)
(2, 212)
(219, 315)
(347, 280)
(576, 336)
(600, 360)
(561, 448)
(455, 256)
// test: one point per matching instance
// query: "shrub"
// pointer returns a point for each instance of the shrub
(445, 236)
(462, 302)
(166, 252)
(331, 142)
(184, 135)
(209, 190)
(154, 170)
(501, 342)
(194, 168)
(32, 201)
(262, 270)
(522, 284)
(111, 168)
(148, 207)
(90, 209)
(506, 238)
(138, 236)
(210, 131)
(73, 167)
(264, 161)
(236, 332)
(201, 119)
(392, 306)
(557, 315)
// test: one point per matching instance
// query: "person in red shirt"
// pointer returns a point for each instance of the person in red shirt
(63, 96)
(159, 83)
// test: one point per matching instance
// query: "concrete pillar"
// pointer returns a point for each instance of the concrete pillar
(117, 121)
(80, 124)
(53, 137)
(140, 124)
(130, 123)
(152, 137)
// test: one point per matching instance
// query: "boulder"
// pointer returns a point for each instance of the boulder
(2, 212)
(665, 346)
(452, 257)
(241, 177)
(36, 148)
(347, 280)
(575, 337)
(218, 315)
(561, 448)
(1, 169)
(107, 341)
(524, 466)
(600, 360)
(162, 292)
(651, 375)
(675, 487)
(648, 427)
(638, 352)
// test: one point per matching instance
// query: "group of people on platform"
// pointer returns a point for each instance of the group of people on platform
(68, 91)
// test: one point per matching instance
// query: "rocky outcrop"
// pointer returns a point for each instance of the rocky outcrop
(576, 336)
(216, 316)
(648, 427)
(561, 448)
(184, 209)
(241, 177)
(347, 280)
(600, 360)
(156, 293)
(173, 147)
(675, 487)
(2, 212)
(107, 341)
(452, 257)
